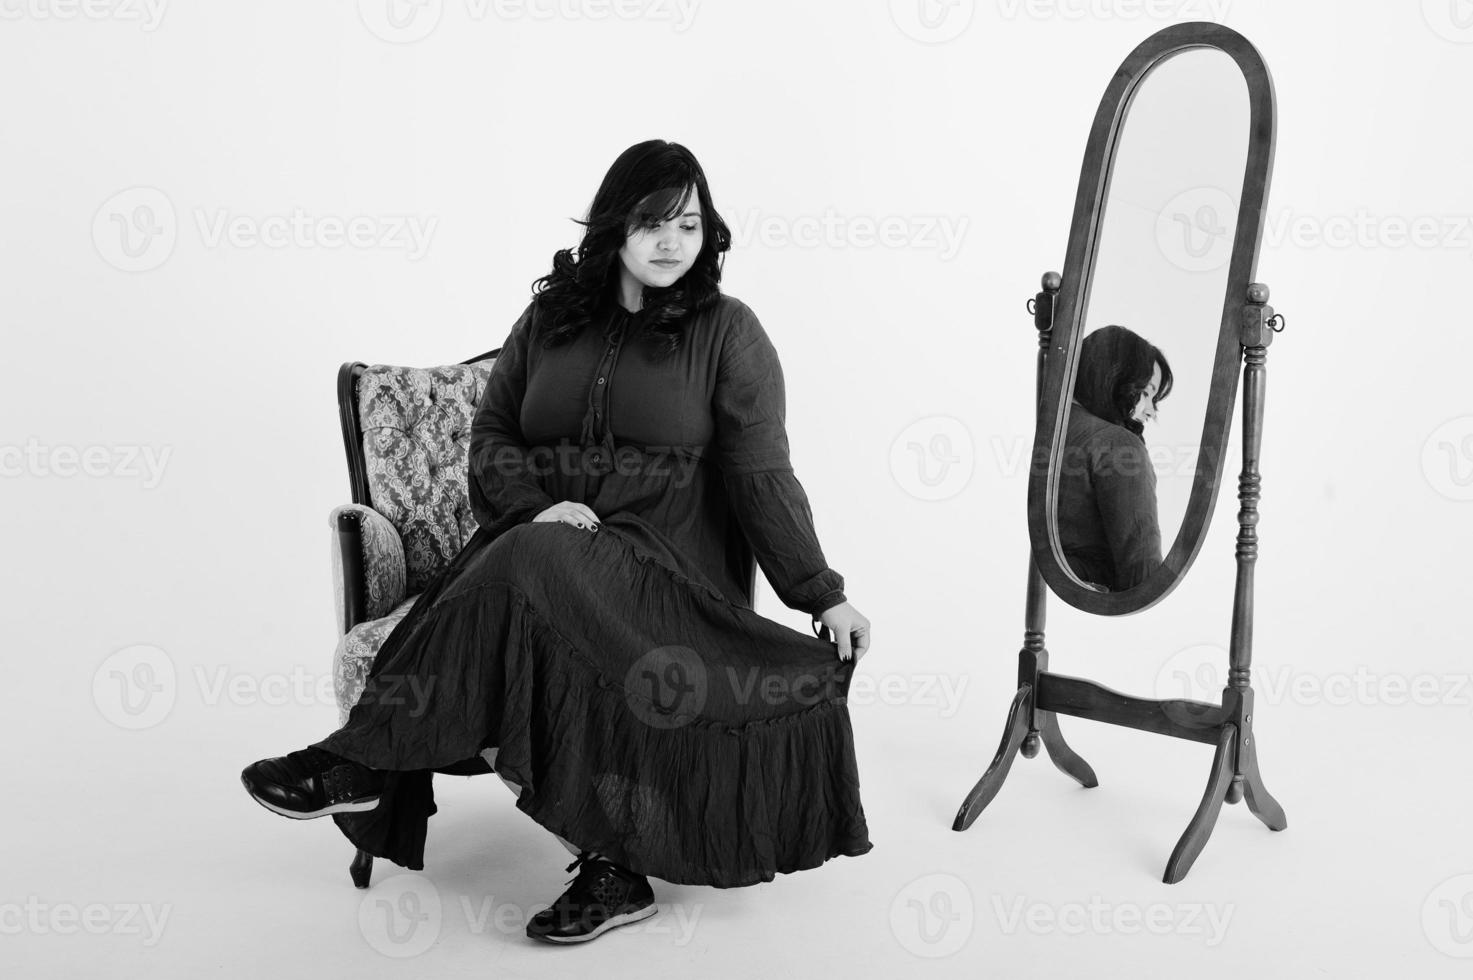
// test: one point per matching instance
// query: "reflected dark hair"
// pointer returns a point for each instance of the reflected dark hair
(1114, 368)
(649, 182)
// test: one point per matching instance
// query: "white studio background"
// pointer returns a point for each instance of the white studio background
(898, 176)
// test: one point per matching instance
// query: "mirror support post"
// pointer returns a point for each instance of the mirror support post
(1028, 726)
(1259, 325)
(1043, 725)
(1033, 658)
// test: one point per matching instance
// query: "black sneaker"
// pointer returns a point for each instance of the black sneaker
(602, 896)
(312, 782)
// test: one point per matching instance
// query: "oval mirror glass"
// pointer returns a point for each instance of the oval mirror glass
(1151, 323)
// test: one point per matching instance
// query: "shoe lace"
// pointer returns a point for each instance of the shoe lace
(341, 778)
(316, 759)
(587, 863)
(598, 881)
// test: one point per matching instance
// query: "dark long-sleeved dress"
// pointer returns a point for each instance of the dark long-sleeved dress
(1107, 503)
(644, 708)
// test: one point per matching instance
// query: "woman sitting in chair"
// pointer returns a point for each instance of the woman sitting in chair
(1107, 484)
(595, 631)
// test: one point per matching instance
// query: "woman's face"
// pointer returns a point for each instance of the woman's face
(1145, 406)
(658, 254)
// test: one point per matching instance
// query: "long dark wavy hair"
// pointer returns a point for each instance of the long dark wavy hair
(649, 182)
(1114, 368)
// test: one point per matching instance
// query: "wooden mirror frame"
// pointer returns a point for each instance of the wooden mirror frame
(1072, 302)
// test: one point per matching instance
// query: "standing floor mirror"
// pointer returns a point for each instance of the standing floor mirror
(1140, 345)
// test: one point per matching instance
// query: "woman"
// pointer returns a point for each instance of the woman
(596, 631)
(1107, 485)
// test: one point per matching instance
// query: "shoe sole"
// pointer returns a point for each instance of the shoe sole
(613, 922)
(353, 806)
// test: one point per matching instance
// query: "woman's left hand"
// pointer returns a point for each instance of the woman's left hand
(850, 630)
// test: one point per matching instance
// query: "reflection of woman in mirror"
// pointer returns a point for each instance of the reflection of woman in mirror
(1107, 485)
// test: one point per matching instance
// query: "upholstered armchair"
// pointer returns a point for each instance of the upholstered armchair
(407, 436)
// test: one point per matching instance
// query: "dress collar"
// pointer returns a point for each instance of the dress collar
(615, 320)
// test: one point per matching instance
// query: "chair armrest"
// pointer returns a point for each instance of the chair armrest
(368, 568)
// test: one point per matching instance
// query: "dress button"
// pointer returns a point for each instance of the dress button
(600, 380)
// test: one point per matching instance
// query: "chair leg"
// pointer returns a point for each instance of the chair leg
(361, 869)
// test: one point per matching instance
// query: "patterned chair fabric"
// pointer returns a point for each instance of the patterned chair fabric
(355, 653)
(416, 425)
(384, 584)
(416, 440)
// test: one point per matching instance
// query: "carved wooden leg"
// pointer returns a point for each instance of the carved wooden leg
(991, 781)
(1205, 818)
(1260, 803)
(361, 869)
(1065, 759)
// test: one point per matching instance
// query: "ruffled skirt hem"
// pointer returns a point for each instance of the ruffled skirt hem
(644, 716)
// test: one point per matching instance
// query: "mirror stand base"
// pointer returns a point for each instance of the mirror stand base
(1026, 729)
(1033, 722)
(1014, 732)
(1065, 759)
(1042, 696)
(1260, 802)
(1224, 785)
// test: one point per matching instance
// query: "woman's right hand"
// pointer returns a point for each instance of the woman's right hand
(570, 512)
